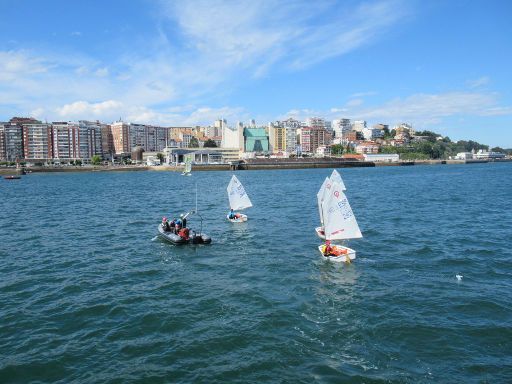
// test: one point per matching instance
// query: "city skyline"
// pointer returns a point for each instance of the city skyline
(441, 67)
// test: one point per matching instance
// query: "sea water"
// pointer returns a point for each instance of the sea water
(88, 294)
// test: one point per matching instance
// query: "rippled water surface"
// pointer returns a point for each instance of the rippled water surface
(89, 295)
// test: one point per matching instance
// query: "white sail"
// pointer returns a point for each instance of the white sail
(335, 176)
(188, 166)
(320, 197)
(339, 220)
(238, 198)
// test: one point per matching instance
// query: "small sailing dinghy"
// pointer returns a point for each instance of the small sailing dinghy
(340, 224)
(335, 176)
(238, 200)
(187, 171)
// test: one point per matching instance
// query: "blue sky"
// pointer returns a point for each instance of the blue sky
(440, 65)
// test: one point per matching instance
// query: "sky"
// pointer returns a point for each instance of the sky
(443, 66)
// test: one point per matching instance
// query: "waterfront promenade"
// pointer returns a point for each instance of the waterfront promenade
(251, 164)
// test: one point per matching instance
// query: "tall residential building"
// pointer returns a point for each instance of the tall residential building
(11, 142)
(90, 141)
(316, 122)
(313, 137)
(120, 137)
(2, 142)
(291, 126)
(137, 136)
(277, 138)
(65, 141)
(107, 140)
(37, 141)
(359, 125)
(340, 127)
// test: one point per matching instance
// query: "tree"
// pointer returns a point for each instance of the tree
(96, 160)
(210, 144)
(161, 157)
(78, 162)
(194, 143)
(336, 149)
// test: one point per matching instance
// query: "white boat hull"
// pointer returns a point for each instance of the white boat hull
(347, 255)
(240, 219)
(320, 232)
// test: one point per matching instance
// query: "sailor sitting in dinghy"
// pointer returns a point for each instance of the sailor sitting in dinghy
(233, 215)
(330, 250)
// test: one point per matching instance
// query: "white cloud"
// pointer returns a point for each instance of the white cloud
(257, 36)
(83, 109)
(422, 110)
(480, 82)
(17, 64)
(101, 72)
(354, 102)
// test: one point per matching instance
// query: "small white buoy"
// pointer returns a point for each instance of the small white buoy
(459, 277)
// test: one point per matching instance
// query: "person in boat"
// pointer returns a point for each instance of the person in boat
(178, 225)
(233, 215)
(328, 250)
(165, 224)
(184, 233)
(183, 220)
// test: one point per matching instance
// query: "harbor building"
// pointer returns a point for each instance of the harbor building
(484, 155)
(256, 140)
(367, 147)
(232, 137)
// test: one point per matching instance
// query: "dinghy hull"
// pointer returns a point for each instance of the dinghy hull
(345, 253)
(241, 219)
(320, 232)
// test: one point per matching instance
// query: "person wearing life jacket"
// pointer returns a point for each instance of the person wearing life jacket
(184, 233)
(328, 250)
(232, 215)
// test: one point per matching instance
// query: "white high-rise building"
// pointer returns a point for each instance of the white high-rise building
(315, 122)
(341, 126)
(359, 125)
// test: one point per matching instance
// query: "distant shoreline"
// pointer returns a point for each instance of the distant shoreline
(252, 164)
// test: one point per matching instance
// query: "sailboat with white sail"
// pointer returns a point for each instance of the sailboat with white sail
(326, 186)
(238, 200)
(340, 224)
(187, 171)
